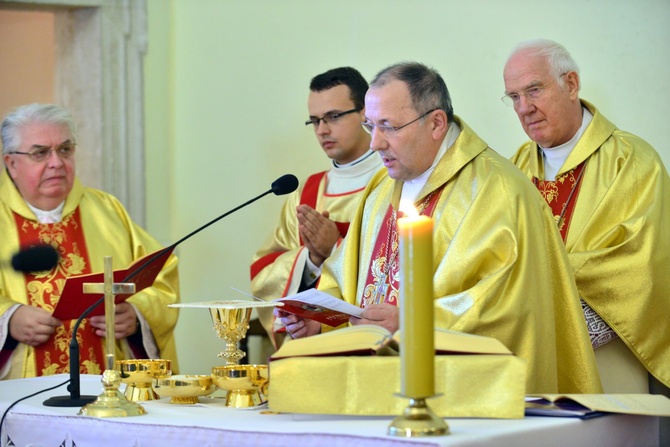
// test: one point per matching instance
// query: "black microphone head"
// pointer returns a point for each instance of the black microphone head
(38, 258)
(285, 184)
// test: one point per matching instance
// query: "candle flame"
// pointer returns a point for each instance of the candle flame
(408, 209)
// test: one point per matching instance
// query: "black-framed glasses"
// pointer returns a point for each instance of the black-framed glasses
(391, 131)
(329, 118)
(41, 153)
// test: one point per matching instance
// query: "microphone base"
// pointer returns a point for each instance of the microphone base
(67, 401)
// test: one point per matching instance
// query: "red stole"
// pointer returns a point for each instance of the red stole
(310, 194)
(382, 283)
(561, 196)
(44, 289)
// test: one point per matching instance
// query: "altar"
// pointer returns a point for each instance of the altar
(211, 423)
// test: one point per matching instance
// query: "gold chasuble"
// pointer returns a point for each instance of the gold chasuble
(618, 241)
(499, 266)
(94, 225)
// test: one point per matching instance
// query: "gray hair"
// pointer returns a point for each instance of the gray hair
(28, 114)
(426, 87)
(558, 58)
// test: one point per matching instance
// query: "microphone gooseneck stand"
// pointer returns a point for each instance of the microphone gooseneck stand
(283, 185)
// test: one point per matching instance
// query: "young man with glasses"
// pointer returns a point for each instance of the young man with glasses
(499, 267)
(610, 195)
(316, 217)
(43, 202)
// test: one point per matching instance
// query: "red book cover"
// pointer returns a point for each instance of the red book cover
(319, 306)
(321, 314)
(73, 301)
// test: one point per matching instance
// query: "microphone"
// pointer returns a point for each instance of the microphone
(283, 185)
(38, 258)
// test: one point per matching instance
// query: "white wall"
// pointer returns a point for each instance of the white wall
(227, 88)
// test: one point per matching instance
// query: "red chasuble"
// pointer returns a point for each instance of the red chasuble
(561, 195)
(44, 289)
(382, 283)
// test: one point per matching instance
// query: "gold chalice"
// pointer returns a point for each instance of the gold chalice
(184, 389)
(231, 321)
(138, 375)
(247, 385)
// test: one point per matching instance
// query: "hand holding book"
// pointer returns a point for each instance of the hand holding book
(316, 305)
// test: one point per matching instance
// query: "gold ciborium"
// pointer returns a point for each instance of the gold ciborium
(138, 375)
(185, 388)
(247, 385)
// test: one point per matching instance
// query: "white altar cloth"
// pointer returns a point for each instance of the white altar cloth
(210, 424)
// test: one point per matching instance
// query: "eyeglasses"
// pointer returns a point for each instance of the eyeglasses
(41, 153)
(329, 118)
(391, 131)
(532, 93)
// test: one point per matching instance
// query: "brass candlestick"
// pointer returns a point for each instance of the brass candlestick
(418, 420)
(111, 403)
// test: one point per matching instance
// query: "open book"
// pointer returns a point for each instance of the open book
(368, 339)
(586, 406)
(73, 301)
(319, 306)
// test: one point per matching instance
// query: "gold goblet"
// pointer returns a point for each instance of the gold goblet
(138, 375)
(231, 321)
(247, 385)
(184, 389)
(231, 324)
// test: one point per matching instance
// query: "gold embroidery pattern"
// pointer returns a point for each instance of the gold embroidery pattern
(551, 192)
(384, 263)
(384, 267)
(44, 291)
(549, 189)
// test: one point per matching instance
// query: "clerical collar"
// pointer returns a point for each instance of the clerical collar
(412, 188)
(52, 216)
(337, 165)
(554, 157)
(344, 179)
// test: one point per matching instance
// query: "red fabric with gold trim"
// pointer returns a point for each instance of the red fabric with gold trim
(310, 195)
(561, 196)
(382, 283)
(44, 289)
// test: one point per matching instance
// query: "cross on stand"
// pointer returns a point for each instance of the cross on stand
(111, 403)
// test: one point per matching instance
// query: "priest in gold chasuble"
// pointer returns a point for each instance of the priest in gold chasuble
(610, 195)
(42, 202)
(499, 266)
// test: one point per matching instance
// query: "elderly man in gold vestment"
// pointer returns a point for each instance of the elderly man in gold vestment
(610, 195)
(499, 266)
(42, 202)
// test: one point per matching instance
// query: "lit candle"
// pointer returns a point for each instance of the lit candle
(417, 346)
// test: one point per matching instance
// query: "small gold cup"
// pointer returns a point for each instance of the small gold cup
(247, 385)
(185, 388)
(138, 375)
